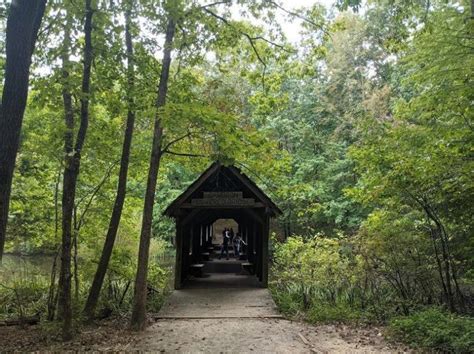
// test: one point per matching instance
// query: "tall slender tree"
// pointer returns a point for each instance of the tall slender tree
(72, 160)
(122, 182)
(139, 300)
(24, 21)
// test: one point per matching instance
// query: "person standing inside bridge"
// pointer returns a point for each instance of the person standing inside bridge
(231, 235)
(238, 245)
(225, 244)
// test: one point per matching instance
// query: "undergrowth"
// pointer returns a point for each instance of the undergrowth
(434, 328)
(329, 282)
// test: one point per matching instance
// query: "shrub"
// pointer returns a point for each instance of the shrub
(317, 268)
(289, 303)
(317, 279)
(435, 329)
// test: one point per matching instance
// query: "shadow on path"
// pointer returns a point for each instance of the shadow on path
(220, 295)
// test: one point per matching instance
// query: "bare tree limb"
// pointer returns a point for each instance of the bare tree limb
(301, 17)
(172, 142)
(92, 196)
(282, 47)
(205, 6)
(250, 39)
(185, 154)
(215, 3)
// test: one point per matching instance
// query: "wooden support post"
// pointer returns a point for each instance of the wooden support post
(254, 237)
(259, 251)
(265, 257)
(256, 245)
(201, 236)
(250, 243)
(186, 249)
(196, 244)
(179, 255)
(243, 235)
(190, 243)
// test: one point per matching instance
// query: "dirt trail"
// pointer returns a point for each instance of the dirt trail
(256, 335)
(242, 319)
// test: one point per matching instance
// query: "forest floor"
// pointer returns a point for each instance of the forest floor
(209, 321)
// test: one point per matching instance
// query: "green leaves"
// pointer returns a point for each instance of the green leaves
(319, 269)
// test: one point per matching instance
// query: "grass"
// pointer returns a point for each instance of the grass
(327, 313)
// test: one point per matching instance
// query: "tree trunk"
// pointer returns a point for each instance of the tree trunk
(24, 20)
(64, 273)
(139, 300)
(76, 269)
(72, 164)
(449, 274)
(52, 295)
(445, 265)
(122, 182)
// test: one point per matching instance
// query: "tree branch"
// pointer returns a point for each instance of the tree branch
(250, 39)
(183, 154)
(92, 196)
(215, 3)
(205, 6)
(282, 47)
(172, 142)
(301, 17)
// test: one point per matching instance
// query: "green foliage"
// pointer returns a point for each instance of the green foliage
(159, 280)
(362, 133)
(329, 313)
(321, 269)
(435, 329)
(25, 281)
(395, 249)
(23, 289)
(321, 282)
(288, 301)
(415, 170)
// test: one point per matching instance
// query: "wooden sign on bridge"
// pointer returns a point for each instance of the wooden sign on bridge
(223, 199)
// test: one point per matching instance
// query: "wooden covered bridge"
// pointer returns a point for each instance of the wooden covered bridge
(221, 192)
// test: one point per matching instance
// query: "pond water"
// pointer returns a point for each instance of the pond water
(25, 266)
(16, 267)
